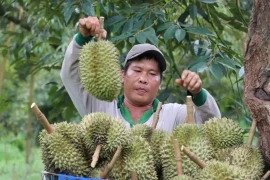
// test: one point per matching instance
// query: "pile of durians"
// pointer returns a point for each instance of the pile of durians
(71, 149)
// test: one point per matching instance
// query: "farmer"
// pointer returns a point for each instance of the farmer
(142, 77)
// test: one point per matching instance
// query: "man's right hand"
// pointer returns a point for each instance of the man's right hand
(90, 27)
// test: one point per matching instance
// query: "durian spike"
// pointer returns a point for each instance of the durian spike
(109, 167)
(101, 22)
(178, 157)
(42, 119)
(251, 132)
(96, 156)
(134, 175)
(190, 117)
(156, 116)
(267, 175)
(193, 157)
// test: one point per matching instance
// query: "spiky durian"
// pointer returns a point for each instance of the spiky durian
(142, 130)
(216, 170)
(100, 69)
(248, 158)
(223, 132)
(157, 139)
(96, 127)
(46, 158)
(117, 136)
(192, 137)
(63, 157)
(140, 159)
(182, 177)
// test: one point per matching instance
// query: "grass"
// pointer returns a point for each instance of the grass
(13, 166)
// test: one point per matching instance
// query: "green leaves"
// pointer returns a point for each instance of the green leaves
(68, 10)
(169, 33)
(180, 34)
(208, 1)
(87, 7)
(199, 30)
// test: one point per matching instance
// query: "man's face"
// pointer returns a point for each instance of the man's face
(141, 82)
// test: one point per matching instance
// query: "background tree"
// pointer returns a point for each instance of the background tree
(257, 73)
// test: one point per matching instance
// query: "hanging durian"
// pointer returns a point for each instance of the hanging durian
(100, 69)
(223, 132)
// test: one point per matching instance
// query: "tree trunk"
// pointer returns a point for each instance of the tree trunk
(257, 73)
(4, 62)
(30, 121)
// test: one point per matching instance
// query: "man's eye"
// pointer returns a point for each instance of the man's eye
(153, 74)
(137, 70)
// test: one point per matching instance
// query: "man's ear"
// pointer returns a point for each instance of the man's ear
(122, 76)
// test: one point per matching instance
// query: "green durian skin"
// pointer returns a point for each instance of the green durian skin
(140, 159)
(223, 132)
(142, 130)
(248, 158)
(100, 69)
(63, 157)
(216, 170)
(182, 177)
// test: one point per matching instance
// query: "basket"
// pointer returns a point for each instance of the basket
(52, 176)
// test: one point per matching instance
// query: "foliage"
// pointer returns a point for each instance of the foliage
(205, 36)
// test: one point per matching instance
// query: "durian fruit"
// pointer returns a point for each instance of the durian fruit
(117, 136)
(95, 127)
(216, 170)
(248, 158)
(193, 137)
(158, 137)
(140, 159)
(100, 69)
(223, 132)
(62, 157)
(142, 130)
(182, 177)
(45, 156)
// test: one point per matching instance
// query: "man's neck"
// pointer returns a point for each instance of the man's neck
(136, 111)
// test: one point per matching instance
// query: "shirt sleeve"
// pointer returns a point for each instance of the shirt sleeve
(84, 102)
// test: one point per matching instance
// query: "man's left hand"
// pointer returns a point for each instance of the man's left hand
(190, 81)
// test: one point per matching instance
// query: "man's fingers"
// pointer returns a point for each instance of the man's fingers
(82, 22)
(104, 34)
(193, 81)
(179, 82)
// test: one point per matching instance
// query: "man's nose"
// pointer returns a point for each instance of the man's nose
(143, 79)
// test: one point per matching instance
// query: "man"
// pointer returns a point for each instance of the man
(142, 77)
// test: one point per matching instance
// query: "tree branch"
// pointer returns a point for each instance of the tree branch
(11, 18)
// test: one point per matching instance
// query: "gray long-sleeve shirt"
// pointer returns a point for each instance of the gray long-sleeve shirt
(171, 114)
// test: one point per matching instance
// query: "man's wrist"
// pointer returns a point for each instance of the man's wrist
(200, 98)
(81, 40)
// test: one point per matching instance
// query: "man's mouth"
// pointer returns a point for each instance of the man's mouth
(141, 90)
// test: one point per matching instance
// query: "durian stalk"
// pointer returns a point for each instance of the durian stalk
(108, 169)
(42, 119)
(134, 175)
(101, 22)
(156, 116)
(178, 157)
(190, 117)
(193, 157)
(251, 132)
(96, 156)
(267, 175)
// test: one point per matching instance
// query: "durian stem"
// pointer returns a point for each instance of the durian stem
(190, 117)
(178, 157)
(252, 132)
(193, 157)
(101, 22)
(108, 169)
(42, 119)
(156, 116)
(96, 156)
(267, 175)
(133, 175)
